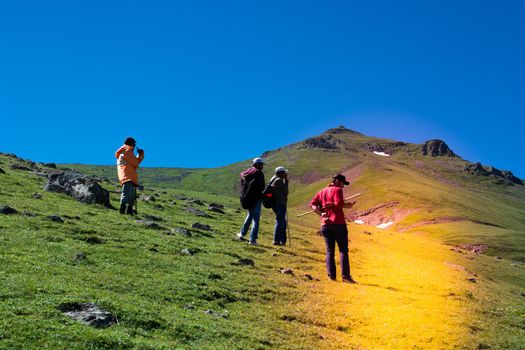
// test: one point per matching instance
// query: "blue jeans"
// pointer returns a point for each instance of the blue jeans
(332, 234)
(254, 214)
(279, 233)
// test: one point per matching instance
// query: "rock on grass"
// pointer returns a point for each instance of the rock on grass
(7, 210)
(89, 314)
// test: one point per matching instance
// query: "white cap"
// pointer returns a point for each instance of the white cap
(258, 161)
(280, 169)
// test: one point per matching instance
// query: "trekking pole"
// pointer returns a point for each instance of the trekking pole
(288, 229)
(311, 211)
(136, 200)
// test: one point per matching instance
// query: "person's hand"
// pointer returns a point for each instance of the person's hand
(140, 151)
(324, 215)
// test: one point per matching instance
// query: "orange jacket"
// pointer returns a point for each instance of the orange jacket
(127, 164)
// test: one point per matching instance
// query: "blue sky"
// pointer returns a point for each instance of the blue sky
(207, 83)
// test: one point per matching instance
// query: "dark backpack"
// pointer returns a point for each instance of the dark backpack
(248, 196)
(268, 199)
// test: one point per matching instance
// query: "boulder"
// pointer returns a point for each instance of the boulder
(83, 188)
(146, 198)
(245, 262)
(436, 148)
(150, 224)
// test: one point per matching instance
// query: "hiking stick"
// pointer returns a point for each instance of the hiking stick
(288, 229)
(311, 211)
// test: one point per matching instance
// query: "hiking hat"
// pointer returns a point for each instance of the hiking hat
(280, 169)
(341, 178)
(258, 161)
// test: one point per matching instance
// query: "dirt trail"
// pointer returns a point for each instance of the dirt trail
(408, 296)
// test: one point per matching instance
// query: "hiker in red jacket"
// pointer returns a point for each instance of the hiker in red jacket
(328, 204)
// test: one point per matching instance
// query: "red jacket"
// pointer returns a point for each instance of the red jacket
(330, 200)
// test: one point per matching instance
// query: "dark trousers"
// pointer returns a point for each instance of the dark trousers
(332, 234)
(279, 233)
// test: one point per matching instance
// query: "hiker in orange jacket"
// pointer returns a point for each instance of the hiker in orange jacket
(127, 164)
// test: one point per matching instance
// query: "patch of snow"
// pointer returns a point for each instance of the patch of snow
(383, 154)
(385, 225)
(359, 222)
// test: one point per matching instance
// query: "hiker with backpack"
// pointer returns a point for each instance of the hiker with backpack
(278, 196)
(252, 186)
(328, 204)
(127, 164)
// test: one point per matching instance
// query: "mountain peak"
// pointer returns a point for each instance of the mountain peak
(437, 148)
(341, 129)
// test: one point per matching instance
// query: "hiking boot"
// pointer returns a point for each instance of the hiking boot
(123, 208)
(240, 237)
(129, 211)
(349, 280)
(252, 242)
(277, 243)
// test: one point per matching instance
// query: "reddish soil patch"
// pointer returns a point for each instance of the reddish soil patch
(378, 214)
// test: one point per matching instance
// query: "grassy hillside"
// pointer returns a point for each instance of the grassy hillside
(416, 290)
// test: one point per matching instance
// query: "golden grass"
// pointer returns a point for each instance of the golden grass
(411, 294)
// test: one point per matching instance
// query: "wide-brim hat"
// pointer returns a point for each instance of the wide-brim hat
(341, 178)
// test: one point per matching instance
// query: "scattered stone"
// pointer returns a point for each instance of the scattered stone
(310, 277)
(153, 217)
(199, 226)
(217, 314)
(195, 201)
(29, 214)
(187, 251)
(89, 314)
(94, 240)
(16, 166)
(498, 257)
(474, 248)
(153, 249)
(80, 257)
(197, 212)
(275, 254)
(216, 209)
(146, 198)
(76, 217)
(180, 197)
(367, 232)
(37, 196)
(216, 205)
(245, 262)
(436, 148)
(80, 187)
(7, 210)
(150, 224)
(471, 279)
(287, 271)
(189, 307)
(55, 218)
(182, 231)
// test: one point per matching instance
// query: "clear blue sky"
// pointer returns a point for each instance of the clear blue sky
(208, 83)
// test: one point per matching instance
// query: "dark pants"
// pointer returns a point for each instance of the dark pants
(279, 233)
(129, 192)
(332, 234)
